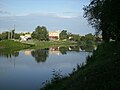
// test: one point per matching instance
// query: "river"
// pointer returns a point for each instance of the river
(28, 69)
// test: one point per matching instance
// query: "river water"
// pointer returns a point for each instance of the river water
(28, 69)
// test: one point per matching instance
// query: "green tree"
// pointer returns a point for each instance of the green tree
(63, 35)
(90, 37)
(40, 33)
(16, 36)
(87, 40)
(76, 37)
(104, 15)
(4, 36)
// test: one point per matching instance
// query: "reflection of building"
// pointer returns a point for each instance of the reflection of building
(27, 52)
(54, 50)
(25, 37)
(54, 35)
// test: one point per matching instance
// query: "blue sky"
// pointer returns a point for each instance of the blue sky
(54, 14)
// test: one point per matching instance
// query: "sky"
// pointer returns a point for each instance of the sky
(26, 15)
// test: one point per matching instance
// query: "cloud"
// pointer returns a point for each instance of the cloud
(53, 21)
(66, 16)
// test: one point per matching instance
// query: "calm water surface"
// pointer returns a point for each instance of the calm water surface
(28, 69)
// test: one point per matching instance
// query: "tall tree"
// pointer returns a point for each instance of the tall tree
(104, 15)
(40, 33)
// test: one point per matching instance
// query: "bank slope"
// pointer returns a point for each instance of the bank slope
(101, 72)
(8, 46)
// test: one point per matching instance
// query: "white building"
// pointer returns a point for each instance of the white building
(25, 37)
(54, 35)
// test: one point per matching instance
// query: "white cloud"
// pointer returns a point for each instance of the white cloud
(65, 16)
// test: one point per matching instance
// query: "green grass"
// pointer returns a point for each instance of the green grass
(10, 45)
(101, 72)
(47, 44)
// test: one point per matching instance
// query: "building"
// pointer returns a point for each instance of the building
(25, 37)
(54, 35)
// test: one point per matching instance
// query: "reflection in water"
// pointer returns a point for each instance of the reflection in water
(87, 48)
(54, 50)
(40, 55)
(27, 52)
(63, 50)
(9, 53)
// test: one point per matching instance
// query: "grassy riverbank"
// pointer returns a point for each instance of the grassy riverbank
(101, 72)
(47, 44)
(10, 45)
(33, 43)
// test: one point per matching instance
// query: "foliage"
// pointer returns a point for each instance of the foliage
(87, 40)
(74, 37)
(63, 35)
(40, 33)
(7, 35)
(4, 36)
(17, 36)
(56, 76)
(104, 15)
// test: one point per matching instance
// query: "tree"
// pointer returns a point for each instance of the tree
(74, 37)
(104, 15)
(40, 33)
(87, 40)
(63, 35)
(90, 37)
(4, 36)
(16, 36)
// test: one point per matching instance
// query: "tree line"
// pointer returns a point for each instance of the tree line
(41, 33)
(9, 35)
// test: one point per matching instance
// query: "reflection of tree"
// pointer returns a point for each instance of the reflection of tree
(87, 48)
(9, 53)
(74, 48)
(40, 55)
(64, 50)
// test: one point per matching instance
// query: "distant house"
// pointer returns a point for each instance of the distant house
(54, 35)
(25, 37)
